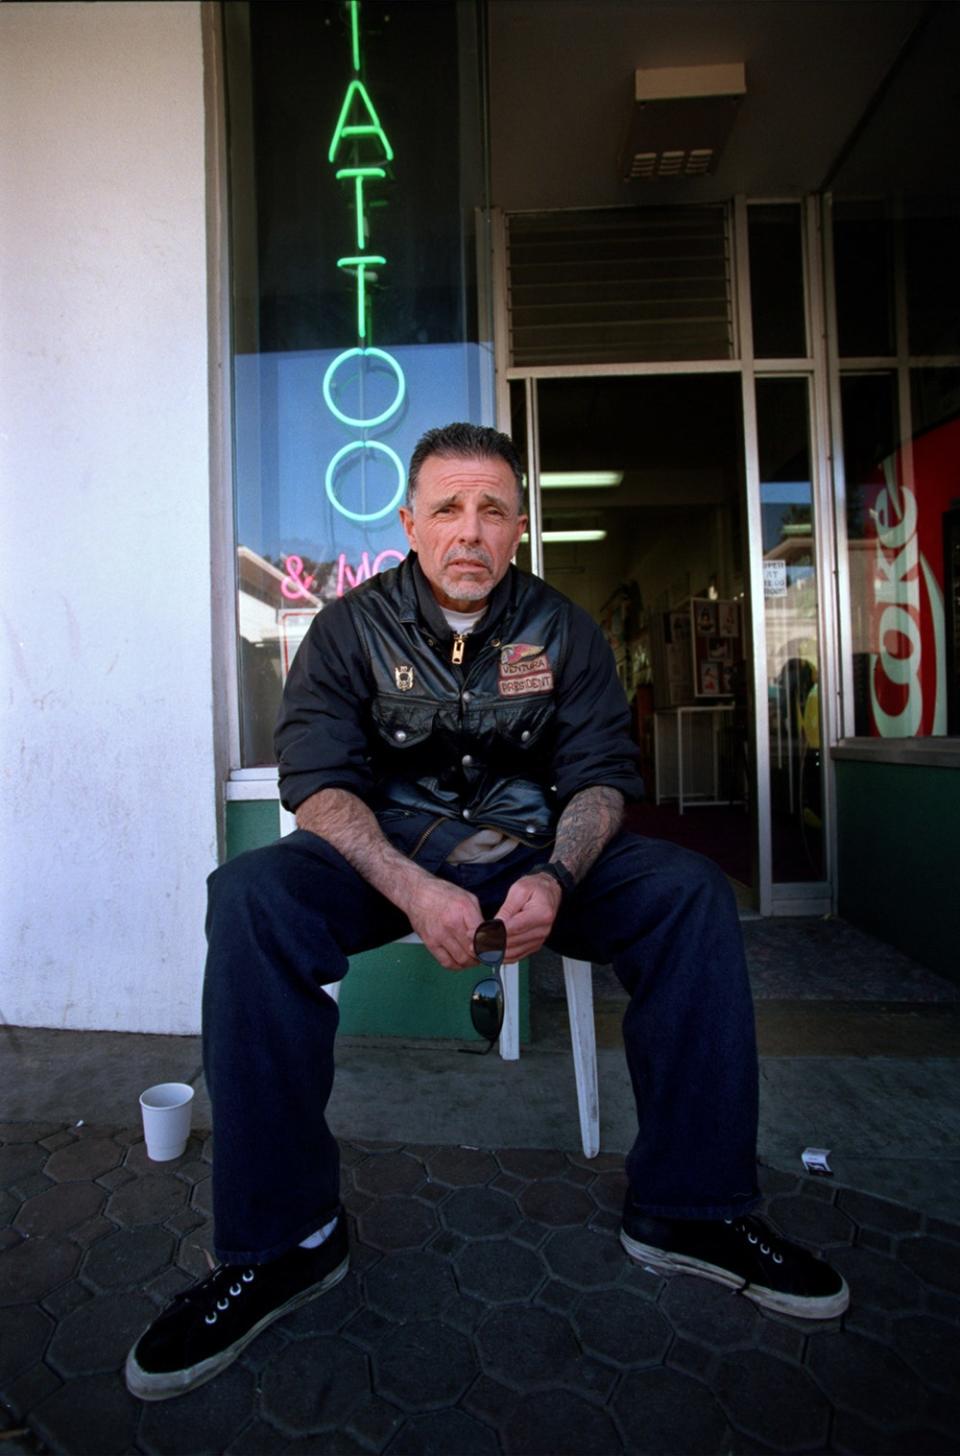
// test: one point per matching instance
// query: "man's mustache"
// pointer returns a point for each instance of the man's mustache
(468, 553)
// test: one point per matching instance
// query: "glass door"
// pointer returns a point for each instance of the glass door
(640, 519)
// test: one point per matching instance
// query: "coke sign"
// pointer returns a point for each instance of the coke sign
(908, 666)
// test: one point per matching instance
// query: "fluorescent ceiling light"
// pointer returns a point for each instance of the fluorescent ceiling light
(551, 536)
(579, 479)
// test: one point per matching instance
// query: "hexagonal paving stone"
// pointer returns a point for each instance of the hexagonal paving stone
(93, 1414)
(526, 1346)
(312, 1385)
(97, 1336)
(479, 1212)
(710, 1313)
(556, 1203)
(621, 1327)
(931, 1348)
(498, 1270)
(878, 1213)
(451, 1430)
(430, 1366)
(410, 1286)
(863, 1377)
(663, 1410)
(34, 1267)
(609, 1190)
(397, 1223)
(389, 1173)
(202, 1196)
(532, 1163)
(129, 1256)
(878, 1281)
(206, 1419)
(772, 1401)
(59, 1208)
(149, 1199)
(460, 1166)
(86, 1158)
(24, 1333)
(586, 1257)
(854, 1437)
(935, 1260)
(821, 1225)
(19, 1161)
(561, 1423)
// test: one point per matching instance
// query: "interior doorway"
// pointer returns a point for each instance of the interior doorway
(640, 519)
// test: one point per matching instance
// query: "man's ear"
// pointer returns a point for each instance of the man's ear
(407, 522)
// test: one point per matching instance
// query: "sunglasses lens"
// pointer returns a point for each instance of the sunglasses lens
(490, 939)
(486, 1009)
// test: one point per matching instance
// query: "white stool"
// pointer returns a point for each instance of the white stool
(578, 984)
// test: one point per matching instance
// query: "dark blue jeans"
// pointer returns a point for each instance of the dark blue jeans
(282, 922)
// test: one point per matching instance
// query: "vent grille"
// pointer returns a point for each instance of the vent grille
(619, 286)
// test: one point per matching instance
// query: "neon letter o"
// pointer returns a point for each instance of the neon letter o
(354, 419)
(365, 515)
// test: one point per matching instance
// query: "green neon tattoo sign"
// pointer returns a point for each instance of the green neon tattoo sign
(361, 265)
(355, 32)
(359, 175)
(371, 128)
(358, 118)
(348, 450)
(358, 419)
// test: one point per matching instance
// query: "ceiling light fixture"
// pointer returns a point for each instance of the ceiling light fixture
(580, 479)
(552, 537)
(681, 118)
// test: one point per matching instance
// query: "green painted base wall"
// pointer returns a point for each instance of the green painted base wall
(899, 857)
(398, 990)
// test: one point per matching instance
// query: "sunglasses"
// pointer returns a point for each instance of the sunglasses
(486, 1002)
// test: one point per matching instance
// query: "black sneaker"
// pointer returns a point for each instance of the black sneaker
(205, 1328)
(742, 1253)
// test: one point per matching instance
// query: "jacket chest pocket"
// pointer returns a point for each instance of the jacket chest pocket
(402, 723)
(510, 727)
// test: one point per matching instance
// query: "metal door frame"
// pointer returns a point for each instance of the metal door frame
(802, 898)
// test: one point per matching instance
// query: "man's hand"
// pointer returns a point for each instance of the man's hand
(529, 912)
(445, 918)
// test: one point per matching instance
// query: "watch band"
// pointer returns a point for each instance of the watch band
(559, 872)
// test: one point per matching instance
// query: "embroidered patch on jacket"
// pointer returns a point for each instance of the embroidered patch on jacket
(403, 677)
(526, 674)
(518, 652)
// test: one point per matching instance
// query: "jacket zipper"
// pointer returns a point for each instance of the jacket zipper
(456, 652)
(424, 837)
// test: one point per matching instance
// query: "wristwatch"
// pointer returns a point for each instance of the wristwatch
(559, 872)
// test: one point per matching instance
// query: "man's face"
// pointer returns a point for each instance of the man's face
(464, 527)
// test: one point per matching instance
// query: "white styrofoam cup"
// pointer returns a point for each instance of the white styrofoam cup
(166, 1110)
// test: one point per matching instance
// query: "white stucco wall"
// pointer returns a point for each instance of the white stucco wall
(107, 804)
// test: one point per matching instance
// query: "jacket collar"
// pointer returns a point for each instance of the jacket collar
(419, 603)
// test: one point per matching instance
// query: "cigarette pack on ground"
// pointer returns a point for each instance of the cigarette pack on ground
(816, 1161)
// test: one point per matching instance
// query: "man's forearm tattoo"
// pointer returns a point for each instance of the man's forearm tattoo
(586, 826)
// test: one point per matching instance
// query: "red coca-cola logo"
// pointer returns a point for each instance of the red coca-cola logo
(907, 688)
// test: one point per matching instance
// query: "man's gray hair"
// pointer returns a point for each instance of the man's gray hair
(464, 442)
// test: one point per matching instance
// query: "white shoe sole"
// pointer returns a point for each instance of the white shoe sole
(811, 1307)
(164, 1385)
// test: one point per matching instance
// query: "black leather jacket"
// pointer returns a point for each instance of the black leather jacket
(375, 704)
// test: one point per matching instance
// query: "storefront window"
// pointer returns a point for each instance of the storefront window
(356, 168)
(776, 281)
(901, 443)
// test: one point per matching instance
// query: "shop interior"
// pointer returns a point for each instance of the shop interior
(642, 511)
